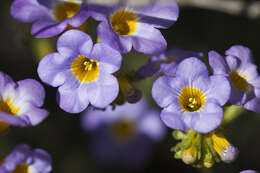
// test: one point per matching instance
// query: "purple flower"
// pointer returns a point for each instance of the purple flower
(123, 27)
(82, 71)
(166, 63)
(49, 17)
(20, 102)
(242, 73)
(192, 99)
(248, 171)
(22, 159)
(125, 134)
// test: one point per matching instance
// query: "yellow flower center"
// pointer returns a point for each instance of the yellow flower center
(123, 22)
(22, 168)
(2, 160)
(123, 130)
(85, 69)
(191, 99)
(239, 81)
(66, 10)
(7, 107)
(220, 143)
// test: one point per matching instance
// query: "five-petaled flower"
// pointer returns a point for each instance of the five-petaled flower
(123, 27)
(25, 160)
(192, 99)
(82, 71)
(242, 73)
(49, 17)
(20, 102)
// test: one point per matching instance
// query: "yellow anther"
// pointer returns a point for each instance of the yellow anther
(193, 103)
(192, 100)
(89, 65)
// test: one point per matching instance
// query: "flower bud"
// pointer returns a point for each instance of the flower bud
(189, 155)
(208, 164)
(225, 150)
(131, 94)
(229, 154)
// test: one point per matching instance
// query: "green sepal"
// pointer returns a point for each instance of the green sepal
(197, 145)
(178, 154)
(215, 155)
(178, 135)
(188, 140)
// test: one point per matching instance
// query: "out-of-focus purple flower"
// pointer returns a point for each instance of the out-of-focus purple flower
(20, 102)
(123, 26)
(248, 171)
(242, 73)
(166, 63)
(191, 99)
(82, 71)
(23, 160)
(49, 17)
(125, 134)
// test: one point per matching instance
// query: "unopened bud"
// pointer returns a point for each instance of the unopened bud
(189, 155)
(229, 154)
(208, 164)
(178, 135)
(225, 150)
(188, 158)
(133, 95)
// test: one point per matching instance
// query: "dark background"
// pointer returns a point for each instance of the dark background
(61, 134)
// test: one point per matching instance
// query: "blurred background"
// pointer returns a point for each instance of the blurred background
(203, 25)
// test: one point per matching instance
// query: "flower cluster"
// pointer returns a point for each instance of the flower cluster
(203, 149)
(49, 17)
(191, 99)
(88, 73)
(90, 76)
(82, 70)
